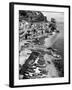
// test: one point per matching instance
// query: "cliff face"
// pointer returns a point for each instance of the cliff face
(32, 16)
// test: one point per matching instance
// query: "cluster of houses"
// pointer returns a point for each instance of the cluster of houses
(30, 27)
(32, 30)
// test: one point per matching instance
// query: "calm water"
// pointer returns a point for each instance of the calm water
(59, 45)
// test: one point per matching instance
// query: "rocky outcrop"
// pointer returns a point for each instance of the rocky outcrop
(32, 16)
